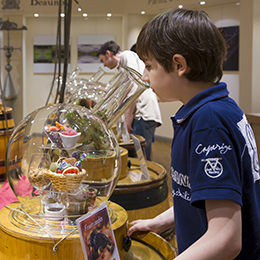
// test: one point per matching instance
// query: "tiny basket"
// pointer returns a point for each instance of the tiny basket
(66, 182)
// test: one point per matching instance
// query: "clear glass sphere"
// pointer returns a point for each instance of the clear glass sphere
(62, 158)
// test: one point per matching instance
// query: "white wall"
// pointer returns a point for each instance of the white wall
(135, 23)
(228, 15)
(37, 86)
(167, 110)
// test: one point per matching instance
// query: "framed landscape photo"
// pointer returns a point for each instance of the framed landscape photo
(44, 53)
(88, 46)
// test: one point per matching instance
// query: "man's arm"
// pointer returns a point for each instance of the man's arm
(130, 117)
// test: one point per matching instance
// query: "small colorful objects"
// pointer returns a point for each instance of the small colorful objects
(78, 163)
(71, 170)
(58, 135)
(60, 126)
(69, 132)
(74, 168)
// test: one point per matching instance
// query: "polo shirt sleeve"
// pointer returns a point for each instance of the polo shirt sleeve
(215, 167)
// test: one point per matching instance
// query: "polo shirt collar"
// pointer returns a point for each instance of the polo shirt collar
(213, 93)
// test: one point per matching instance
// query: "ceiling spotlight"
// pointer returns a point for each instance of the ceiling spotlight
(143, 12)
(238, 3)
(62, 15)
(79, 9)
(202, 3)
(36, 15)
(85, 14)
(180, 6)
(109, 14)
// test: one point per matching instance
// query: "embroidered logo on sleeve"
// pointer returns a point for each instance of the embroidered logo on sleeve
(222, 149)
(213, 168)
(248, 135)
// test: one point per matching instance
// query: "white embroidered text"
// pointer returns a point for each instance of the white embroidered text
(180, 179)
(207, 149)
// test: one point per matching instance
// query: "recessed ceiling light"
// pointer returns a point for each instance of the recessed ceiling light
(237, 3)
(109, 14)
(36, 15)
(85, 14)
(79, 9)
(62, 15)
(143, 12)
(202, 3)
(180, 6)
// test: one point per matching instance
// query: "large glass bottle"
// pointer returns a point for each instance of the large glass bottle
(124, 89)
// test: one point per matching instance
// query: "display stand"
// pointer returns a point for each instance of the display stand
(22, 243)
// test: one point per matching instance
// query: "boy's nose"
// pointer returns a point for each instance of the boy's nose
(145, 78)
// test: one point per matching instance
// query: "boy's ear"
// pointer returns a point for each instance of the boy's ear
(179, 64)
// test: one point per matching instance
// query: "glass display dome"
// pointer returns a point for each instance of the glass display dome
(62, 161)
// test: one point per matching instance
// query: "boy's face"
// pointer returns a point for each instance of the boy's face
(108, 60)
(164, 84)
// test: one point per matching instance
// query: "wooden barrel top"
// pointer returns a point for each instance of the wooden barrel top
(7, 110)
(149, 244)
(130, 145)
(142, 198)
(14, 230)
(124, 160)
(157, 175)
(21, 243)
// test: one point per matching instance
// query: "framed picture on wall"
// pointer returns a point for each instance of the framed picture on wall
(88, 46)
(231, 36)
(44, 52)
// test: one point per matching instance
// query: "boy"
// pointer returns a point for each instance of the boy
(214, 168)
(144, 115)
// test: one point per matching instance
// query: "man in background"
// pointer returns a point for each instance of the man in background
(144, 115)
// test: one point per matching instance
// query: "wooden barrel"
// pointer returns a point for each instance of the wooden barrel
(6, 131)
(18, 244)
(98, 168)
(146, 244)
(130, 146)
(124, 160)
(145, 198)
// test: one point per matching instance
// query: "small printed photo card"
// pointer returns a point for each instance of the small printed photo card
(97, 236)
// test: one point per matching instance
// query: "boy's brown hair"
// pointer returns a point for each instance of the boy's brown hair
(191, 34)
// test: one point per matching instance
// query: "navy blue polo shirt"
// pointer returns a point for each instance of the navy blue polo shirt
(214, 157)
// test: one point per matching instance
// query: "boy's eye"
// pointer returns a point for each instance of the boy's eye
(148, 67)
